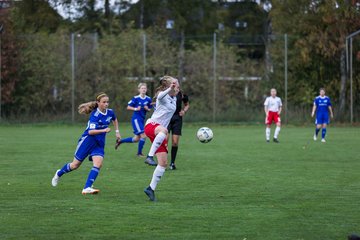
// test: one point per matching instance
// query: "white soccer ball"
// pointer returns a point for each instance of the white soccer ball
(205, 134)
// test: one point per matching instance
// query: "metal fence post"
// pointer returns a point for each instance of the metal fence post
(351, 82)
(72, 78)
(286, 76)
(144, 55)
(0, 71)
(214, 77)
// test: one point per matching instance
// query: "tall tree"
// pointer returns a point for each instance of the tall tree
(321, 28)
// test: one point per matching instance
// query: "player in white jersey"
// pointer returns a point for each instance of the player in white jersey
(272, 107)
(156, 129)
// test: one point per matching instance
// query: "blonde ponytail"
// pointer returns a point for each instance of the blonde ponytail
(88, 107)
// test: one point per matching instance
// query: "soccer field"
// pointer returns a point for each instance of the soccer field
(235, 187)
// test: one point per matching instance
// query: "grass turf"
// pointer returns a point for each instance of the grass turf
(235, 187)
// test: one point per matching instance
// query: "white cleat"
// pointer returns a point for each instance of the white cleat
(55, 179)
(323, 140)
(315, 138)
(90, 190)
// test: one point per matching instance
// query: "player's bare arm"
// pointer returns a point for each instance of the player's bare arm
(99, 131)
(186, 108)
(313, 111)
(280, 109)
(331, 112)
(117, 132)
(133, 108)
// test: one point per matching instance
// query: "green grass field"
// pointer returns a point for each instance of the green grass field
(235, 187)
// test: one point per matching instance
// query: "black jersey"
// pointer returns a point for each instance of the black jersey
(180, 98)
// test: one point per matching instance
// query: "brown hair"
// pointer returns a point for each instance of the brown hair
(88, 107)
(165, 82)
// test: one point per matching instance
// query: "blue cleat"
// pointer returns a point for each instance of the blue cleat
(150, 161)
(150, 193)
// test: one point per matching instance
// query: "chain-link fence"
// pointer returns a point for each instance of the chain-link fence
(226, 78)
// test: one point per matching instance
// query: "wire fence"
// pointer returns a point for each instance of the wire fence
(226, 78)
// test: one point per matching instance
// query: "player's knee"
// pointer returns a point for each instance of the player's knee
(174, 144)
(75, 165)
(164, 130)
(98, 165)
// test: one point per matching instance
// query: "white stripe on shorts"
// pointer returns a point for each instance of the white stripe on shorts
(137, 126)
(79, 144)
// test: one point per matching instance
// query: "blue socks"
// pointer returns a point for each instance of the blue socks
(323, 132)
(317, 130)
(127, 140)
(141, 145)
(65, 169)
(92, 177)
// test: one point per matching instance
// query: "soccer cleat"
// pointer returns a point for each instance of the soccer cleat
(55, 179)
(140, 155)
(117, 144)
(172, 166)
(276, 140)
(150, 161)
(267, 140)
(150, 193)
(323, 140)
(315, 138)
(90, 190)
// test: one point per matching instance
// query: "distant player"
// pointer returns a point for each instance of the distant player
(272, 107)
(175, 125)
(92, 142)
(156, 129)
(322, 107)
(140, 104)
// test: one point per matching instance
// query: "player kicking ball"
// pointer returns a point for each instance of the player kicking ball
(272, 107)
(322, 107)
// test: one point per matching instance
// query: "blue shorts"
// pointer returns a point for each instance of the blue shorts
(138, 126)
(322, 118)
(88, 146)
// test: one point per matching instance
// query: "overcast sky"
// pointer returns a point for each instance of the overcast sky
(72, 13)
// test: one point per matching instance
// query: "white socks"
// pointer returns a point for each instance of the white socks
(277, 130)
(157, 142)
(158, 172)
(267, 131)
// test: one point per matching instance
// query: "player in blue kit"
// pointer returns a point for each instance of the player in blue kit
(92, 142)
(322, 107)
(140, 104)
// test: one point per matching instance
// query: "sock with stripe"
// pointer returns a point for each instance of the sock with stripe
(65, 169)
(141, 145)
(92, 177)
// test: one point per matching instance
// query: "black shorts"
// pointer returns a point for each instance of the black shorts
(175, 125)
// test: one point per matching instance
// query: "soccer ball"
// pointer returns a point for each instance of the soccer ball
(204, 134)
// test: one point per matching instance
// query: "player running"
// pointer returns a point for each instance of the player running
(140, 104)
(92, 142)
(322, 106)
(156, 129)
(272, 107)
(175, 125)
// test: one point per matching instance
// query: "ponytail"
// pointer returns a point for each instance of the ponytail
(88, 107)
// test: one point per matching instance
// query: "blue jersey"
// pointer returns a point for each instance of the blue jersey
(99, 120)
(322, 104)
(322, 110)
(137, 101)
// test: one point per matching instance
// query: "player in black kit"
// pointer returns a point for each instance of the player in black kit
(175, 125)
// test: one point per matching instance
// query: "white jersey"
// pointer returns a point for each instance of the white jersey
(165, 108)
(273, 104)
